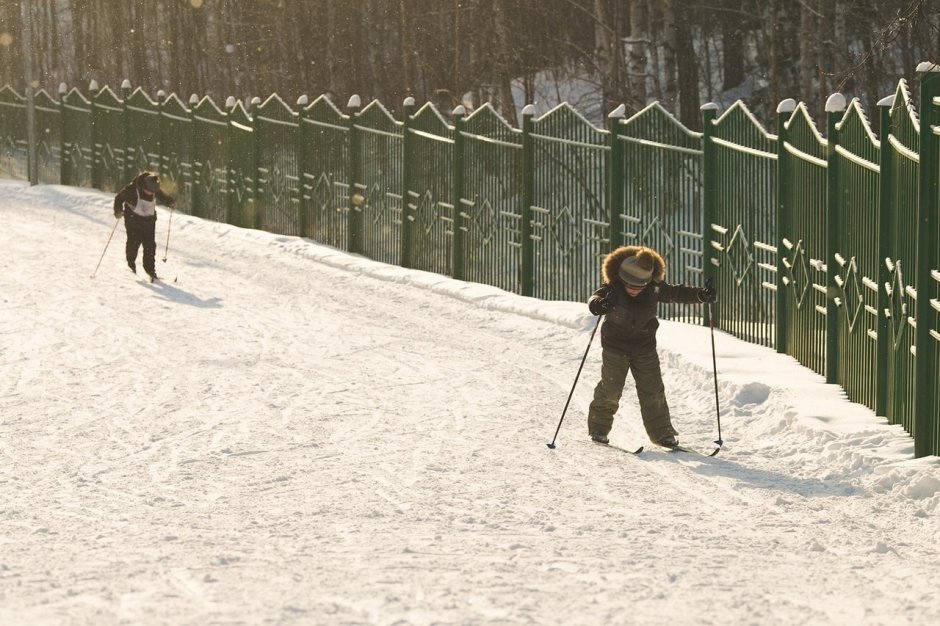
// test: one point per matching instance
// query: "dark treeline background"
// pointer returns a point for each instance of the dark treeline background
(680, 52)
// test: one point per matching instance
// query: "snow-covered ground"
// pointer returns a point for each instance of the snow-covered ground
(285, 433)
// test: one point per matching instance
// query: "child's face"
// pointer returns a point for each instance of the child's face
(633, 291)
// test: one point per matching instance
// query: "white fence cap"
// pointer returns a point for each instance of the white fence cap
(835, 103)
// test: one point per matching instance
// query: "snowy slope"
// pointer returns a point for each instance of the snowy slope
(291, 434)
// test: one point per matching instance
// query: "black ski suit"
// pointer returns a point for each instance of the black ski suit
(140, 219)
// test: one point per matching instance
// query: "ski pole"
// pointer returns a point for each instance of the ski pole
(116, 220)
(169, 224)
(711, 324)
(578, 375)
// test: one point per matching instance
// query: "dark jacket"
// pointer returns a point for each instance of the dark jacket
(630, 327)
(126, 199)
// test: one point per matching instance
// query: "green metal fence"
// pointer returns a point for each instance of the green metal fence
(324, 153)
(823, 244)
(486, 200)
(76, 139)
(740, 218)
(660, 164)
(48, 144)
(802, 235)
(13, 146)
(570, 211)
(429, 182)
(142, 125)
(854, 210)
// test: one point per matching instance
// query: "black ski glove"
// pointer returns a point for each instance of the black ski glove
(708, 294)
(118, 213)
(600, 306)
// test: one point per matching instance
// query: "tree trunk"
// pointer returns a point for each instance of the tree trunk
(407, 47)
(807, 48)
(669, 47)
(688, 77)
(636, 53)
(732, 44)
(607, 44)
(503, 28)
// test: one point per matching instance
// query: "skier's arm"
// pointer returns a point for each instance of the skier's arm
(165, 200)
(685, 294)
(599, 303)
(120, 200)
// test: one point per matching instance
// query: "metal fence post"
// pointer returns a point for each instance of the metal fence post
(781, 328)
(615, 199)
(197, 197)
(32, 168)
(125, 124)
(527, 280)
(407, 212)
(709, 112)
(303, 194)
(354, 215)
(886, 220)
(161, 99)
(256, 208)
(457, 269)
(63, 156)
(230, 187)
(95, 150)
(835, 108)
(926, 412)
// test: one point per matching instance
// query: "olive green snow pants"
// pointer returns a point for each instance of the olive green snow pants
(649, 389)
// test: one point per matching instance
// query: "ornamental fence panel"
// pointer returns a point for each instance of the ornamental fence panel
(487, 200)
(855, 212)
(740, 220)
(662, 207)
(48, 146)
(570, 208)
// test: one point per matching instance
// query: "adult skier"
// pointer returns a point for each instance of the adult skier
(137, 203)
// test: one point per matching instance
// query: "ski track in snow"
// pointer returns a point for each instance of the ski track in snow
(290, 434)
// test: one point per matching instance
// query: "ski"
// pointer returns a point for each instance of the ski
(693, 450)
(627, 450)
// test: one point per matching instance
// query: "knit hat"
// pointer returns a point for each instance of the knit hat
(634, 274)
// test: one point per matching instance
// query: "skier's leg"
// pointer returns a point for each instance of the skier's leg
(652, 395)
(133, 242)
(150, 246)
(614, 368)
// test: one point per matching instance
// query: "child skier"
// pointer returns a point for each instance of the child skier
(633, 285)
(137, 202)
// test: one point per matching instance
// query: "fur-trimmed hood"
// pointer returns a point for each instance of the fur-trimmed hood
(611, 265)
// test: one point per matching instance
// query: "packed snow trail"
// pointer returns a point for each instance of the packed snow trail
(290, 434)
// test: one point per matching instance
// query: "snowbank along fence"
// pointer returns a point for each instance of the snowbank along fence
(824, 245)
